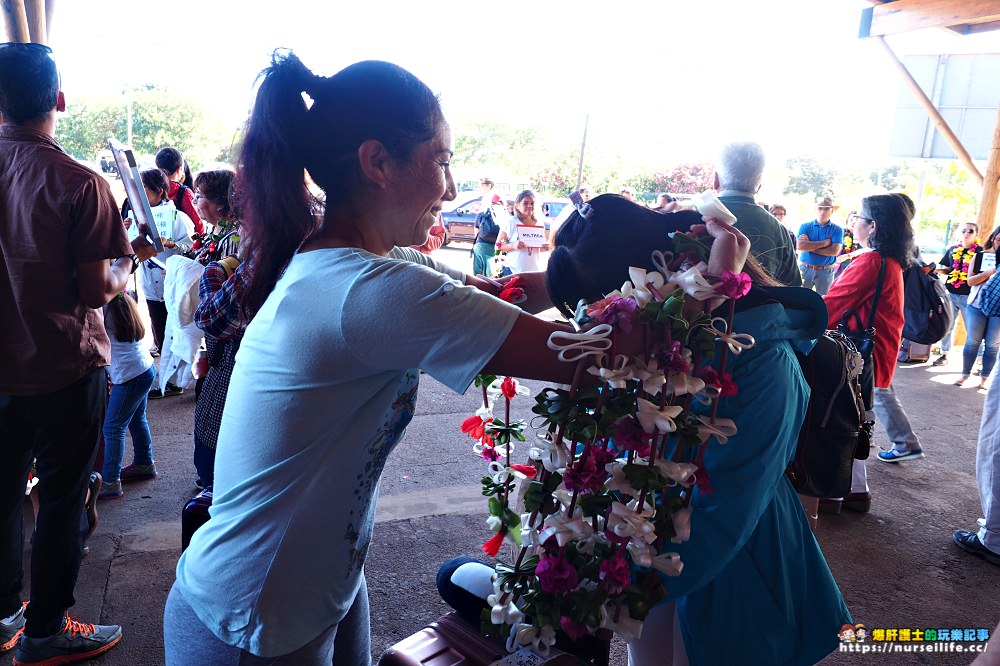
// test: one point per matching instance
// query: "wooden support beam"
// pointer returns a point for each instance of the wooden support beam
(905, 15)
(15, 20)
(35, 11)
(936, 118)
(988, 201)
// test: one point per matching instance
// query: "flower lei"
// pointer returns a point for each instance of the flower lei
(608, 482)
(960, 260)
(205, 245)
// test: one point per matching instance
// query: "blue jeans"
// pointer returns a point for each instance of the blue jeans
(187, 640)
(980, 328)
(127, 409)
(891, 415)
(959, 304)
(821, 279)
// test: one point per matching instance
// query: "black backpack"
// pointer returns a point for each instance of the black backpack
(488, 227)
(926, 308)
(835, 430)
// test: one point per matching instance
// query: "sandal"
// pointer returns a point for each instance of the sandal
(961, 382)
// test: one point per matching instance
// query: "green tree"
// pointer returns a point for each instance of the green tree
(159, 118)
(808, 175)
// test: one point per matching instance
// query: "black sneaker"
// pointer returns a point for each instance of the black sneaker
(76, 641)
(970, 543)
(11, 630)
(170, 391)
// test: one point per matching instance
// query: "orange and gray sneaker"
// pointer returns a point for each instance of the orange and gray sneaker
(11, 628)
(75, 641)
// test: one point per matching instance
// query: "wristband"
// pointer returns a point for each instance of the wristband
(135, 263)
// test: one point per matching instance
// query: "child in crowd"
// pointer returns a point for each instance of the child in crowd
(132, 376)
(175, 229)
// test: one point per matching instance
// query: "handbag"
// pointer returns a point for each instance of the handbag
(864, 340)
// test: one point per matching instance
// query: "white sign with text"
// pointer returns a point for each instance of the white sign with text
(531, 236)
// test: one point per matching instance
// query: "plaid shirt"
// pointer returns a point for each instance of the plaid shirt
(219, 313)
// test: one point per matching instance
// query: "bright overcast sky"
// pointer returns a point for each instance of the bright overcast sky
(667, 79)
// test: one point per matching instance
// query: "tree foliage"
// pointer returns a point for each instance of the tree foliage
(687, 178)
(808, 175)
(159, 118)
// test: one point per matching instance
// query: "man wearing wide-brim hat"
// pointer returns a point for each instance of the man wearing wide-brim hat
(819, 243)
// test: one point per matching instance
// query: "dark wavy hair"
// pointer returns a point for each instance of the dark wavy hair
(284, 136)
(218, 187)
(29, 82)
(592, 255)
(893, 233)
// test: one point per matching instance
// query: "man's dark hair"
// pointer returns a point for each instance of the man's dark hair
(29, 82)
(169, 159)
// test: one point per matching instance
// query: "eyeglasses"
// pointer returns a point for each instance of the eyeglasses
(968, 231)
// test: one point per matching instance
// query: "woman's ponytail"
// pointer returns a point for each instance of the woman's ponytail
(271, 175)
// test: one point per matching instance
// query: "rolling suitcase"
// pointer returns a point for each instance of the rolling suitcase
(194, 515)
(451, 641)
(913, 352)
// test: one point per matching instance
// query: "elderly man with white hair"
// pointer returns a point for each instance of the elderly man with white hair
(737, 179)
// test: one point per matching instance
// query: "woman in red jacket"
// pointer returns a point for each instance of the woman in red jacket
(883, 226)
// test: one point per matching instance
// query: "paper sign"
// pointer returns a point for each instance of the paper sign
(531, 236)
(989, 261)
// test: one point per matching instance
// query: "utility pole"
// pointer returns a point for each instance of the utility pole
(583, 149)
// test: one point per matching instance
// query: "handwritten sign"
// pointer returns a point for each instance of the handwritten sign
(989, 261)
(531, 236)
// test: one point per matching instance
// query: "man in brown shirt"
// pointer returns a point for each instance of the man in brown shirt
(63, 255)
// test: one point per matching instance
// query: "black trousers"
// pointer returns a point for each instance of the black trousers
(158, 318)
(61, 430)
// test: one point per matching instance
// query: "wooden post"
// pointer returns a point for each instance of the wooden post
(939, 121)
(15, 20)
(35, 11)
(988, 202)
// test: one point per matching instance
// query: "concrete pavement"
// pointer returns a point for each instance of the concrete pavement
(896, 566)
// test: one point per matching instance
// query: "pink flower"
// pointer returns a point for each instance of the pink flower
(575, 630)
(629, 436)
(584, 475)
(672, 359)
(733, 285)
(490, 453)
(616, 574)
(727, 385)
(508, 387)
(615, 310)
(708, 375)
(556, 575)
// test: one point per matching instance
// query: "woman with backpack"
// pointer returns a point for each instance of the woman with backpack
(980, 328)
(883, 226)
(172, 163)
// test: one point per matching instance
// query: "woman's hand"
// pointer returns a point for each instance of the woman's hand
(169, 243)
(730, 248)
(520, 245)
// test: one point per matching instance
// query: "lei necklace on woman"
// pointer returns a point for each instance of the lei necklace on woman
(606, 486)
(961, 259)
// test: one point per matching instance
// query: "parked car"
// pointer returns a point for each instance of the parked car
(460, 220)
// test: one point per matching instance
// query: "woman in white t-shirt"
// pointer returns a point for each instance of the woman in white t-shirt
(325, 382)
(523, 255)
